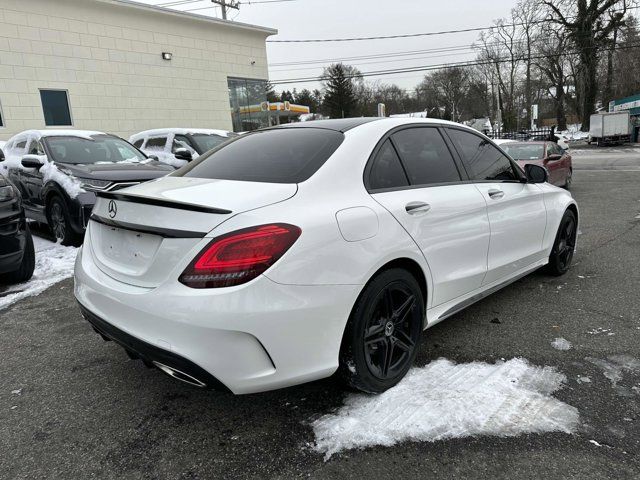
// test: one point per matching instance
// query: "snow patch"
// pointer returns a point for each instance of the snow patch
(615, 366)
(444, 400)
(561, 344)
(70, 184)
(54, 263)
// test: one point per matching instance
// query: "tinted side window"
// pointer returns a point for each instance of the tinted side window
(386, 170)
(138, 143)
(279, 155)
(36, 148)
(180, 141)
(426, 156)
(156, 143)
(482, 159)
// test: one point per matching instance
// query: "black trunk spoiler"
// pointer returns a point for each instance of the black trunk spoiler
(159, 202)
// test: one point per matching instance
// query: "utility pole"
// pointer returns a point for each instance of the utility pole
(224, 5)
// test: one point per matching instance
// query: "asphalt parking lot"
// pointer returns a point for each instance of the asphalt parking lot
(73, 406)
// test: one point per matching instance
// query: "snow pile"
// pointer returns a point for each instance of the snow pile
(561, 344)
(444, 400)
(54, 263)
(70, 184)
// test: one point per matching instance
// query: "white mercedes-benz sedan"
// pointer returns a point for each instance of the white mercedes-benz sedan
(292, 253)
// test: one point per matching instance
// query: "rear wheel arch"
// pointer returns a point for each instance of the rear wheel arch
(413, 268)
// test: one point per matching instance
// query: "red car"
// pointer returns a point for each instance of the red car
(546, 154)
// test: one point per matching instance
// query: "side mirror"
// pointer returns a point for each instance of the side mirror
(554, 157)
(183, 154)
(32, 161)
(536, 173)
(154, 157)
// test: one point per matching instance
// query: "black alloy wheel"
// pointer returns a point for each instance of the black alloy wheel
(60, 223)
(383, 332)
(564, 245)
(390, 336)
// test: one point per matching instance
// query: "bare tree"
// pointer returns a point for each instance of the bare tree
(589, 24)
(552, 61)
(500, 47)
(527, 14)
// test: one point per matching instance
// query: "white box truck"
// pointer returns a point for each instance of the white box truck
(610, 128)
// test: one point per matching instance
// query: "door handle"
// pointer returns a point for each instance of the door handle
(417, 208)
(496, 194)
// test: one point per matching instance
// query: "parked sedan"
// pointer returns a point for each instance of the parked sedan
(292, 253)
(178, 146)
(546, 154)
(58, 173)
(17, 255)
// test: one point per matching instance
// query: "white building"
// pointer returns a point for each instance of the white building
(122, 67)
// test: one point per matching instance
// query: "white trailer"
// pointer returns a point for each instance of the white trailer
(608, 128)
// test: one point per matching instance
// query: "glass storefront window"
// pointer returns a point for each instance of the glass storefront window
(246, 97)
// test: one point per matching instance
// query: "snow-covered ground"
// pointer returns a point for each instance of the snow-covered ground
(54, 263)
(444, 400)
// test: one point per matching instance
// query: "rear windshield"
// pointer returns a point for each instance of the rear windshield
(98, 149)
(524, 152)
(285, 155)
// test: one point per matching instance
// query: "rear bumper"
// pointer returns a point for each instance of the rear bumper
(251, 338)
(150, 354)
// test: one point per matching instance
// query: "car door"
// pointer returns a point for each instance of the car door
(516, 209)
(415, 176)
(554, 167)
(32, 178)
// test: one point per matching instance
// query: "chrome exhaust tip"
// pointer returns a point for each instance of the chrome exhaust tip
(178, 375)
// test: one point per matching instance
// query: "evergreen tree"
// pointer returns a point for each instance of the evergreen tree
(339, 90)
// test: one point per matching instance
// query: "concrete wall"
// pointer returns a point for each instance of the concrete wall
(107, 54)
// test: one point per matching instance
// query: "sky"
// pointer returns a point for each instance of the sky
(323, 19)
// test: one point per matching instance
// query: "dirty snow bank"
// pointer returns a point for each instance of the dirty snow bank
(444, 400)
(54, 263)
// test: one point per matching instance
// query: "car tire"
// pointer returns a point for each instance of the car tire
(60, 222)
(25, 271)
(564, 245)
(383, 332)
(569, 180)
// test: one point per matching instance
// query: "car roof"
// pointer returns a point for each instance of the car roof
(338, 124)
(59, 133)
(345, 124)
(181, 131)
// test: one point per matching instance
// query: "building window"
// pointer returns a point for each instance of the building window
(247, 98)
(55, 105)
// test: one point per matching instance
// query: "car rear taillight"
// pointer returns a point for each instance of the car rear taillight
(240, 256)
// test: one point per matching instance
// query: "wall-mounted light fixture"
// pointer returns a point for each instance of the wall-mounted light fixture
(167, 55)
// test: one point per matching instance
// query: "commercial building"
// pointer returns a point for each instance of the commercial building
(121, 67)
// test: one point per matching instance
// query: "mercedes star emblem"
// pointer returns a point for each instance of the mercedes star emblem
(113, 209)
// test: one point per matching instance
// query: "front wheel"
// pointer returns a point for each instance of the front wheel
(60, 222)
(383, 332)
(564, 245)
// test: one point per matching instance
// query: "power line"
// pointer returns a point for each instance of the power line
(426, 34)
(424, 68)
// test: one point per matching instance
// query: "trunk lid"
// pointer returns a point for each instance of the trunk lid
(139, 234)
